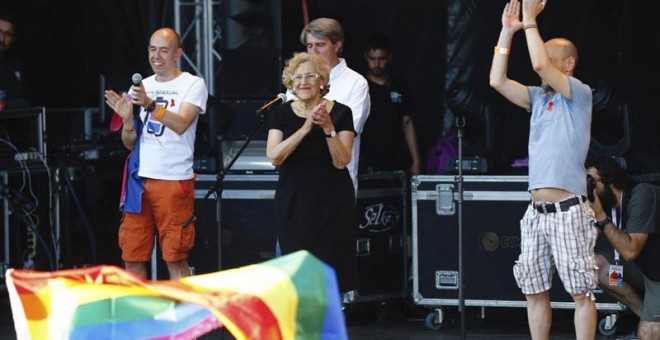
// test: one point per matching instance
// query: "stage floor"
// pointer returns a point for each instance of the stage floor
(396, 321)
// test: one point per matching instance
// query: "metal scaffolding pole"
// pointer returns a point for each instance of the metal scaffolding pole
(195, 21)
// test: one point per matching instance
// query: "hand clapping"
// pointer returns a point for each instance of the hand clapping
(120, 104)
(320, 115)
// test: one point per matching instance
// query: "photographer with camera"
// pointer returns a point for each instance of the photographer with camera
(632, 270)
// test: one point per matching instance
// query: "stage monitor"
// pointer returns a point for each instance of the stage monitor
(252, 159)
(22, 136)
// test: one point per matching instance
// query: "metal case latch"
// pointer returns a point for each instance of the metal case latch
(363, 246)
(444, 203)
(446, 279)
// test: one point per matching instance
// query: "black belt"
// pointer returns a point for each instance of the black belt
(563, 205)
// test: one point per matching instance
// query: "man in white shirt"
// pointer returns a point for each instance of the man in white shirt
(325, 37)
(160, 182)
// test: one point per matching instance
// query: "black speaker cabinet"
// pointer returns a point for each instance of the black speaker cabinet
(237, 230)
(382, 222)
(246, 232)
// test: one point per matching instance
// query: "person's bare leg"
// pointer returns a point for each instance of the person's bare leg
(137, 268)
(178, 269)
(647, 330)
(539, 315)
(625, 294)
(585, 317)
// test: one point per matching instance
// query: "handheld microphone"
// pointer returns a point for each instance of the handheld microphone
(137, 79)
(279, 99)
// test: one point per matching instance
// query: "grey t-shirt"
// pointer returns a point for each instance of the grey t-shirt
(559, 136)
(643, 216)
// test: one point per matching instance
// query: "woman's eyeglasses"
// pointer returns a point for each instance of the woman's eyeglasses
(297, 78)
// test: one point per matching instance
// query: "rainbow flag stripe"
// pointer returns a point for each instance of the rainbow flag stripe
(289, 297)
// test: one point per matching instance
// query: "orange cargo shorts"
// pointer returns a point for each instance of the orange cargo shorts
(166, 205)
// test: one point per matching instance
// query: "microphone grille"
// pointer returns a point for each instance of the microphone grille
(282, 96)
(137, 78)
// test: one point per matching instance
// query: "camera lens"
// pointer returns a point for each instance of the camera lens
(591, 185)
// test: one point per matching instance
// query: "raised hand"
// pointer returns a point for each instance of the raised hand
(532, 8)
(511, 16)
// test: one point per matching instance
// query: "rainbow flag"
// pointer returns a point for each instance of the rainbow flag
(289, 297)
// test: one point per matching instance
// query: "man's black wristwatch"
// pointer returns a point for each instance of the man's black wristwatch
(151, 107)
(602, 223)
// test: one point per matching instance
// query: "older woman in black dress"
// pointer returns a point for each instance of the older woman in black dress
(310, 140)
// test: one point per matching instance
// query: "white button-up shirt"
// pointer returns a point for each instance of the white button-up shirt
(351, 89)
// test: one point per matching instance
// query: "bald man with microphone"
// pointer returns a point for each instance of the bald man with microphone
(158, 194)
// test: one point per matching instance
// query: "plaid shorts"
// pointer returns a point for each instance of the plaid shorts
(562, 241)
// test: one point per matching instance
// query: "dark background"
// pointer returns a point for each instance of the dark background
(66, 45)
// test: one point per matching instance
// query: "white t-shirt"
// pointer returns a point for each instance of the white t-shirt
(163, 153)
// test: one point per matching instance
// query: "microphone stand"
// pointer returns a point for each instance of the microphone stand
(216, 187)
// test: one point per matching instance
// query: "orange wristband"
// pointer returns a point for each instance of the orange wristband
(161, 112)
(128, 130)
(502, 50)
